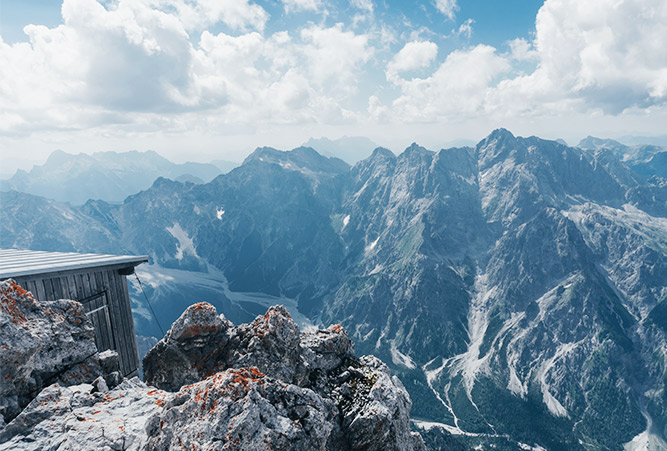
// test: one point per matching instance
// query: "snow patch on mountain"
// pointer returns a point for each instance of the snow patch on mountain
(185, 244)
(469, 364)
(554, 406)
(371, 246)
(515, 385)
(399, 358)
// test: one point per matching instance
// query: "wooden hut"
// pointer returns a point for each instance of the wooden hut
(95, 280)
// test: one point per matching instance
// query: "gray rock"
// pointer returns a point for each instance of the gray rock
(375, 410)
(272, 344)
(77, 418)
(242, 409)
(329, 348)
(346, 402)
(192, 349)
(41, 343)
(109, 361)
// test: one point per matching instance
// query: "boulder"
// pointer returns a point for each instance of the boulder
(272, 344)
(41, 343)
(193, 349)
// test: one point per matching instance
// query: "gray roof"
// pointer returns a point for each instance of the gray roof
(16, 262)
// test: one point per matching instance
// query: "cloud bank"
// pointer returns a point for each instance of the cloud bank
(182, 64)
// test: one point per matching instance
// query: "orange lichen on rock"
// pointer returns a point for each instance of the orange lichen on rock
(232, 384)
(336, 328)
(19, 289)
(11, 299)
(202, 306)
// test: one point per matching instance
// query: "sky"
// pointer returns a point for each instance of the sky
(201, 80)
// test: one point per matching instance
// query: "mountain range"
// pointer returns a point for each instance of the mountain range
(517, 287)
(109, 176)
(350, 149)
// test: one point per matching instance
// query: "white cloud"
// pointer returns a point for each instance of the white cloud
(366, 5)
(465, 29)
(522, 50)
(137, 65)
(458, 86)
(599, 55)
(377, 110)
(152, 66)
(199, 14)
(334, 56)
(447, 7)
(302, 5)
(414, 55)
(609, 54)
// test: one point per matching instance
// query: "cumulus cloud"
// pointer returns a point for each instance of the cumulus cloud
(334, 55)
(113, 62)
(414, 55)
(522, 50)
(458, 86)
(609, 54)
(447, 7)
(176, 64)
(465, 29)
(599, 55)
(199, 14)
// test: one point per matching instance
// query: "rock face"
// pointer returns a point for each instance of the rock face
(257, 386)
(81, 418)
(44, 343)
(242, 409)
(257, 373)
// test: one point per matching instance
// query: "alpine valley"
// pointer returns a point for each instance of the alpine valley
(518, 288)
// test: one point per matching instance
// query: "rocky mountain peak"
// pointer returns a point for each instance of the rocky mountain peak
(414, 150)
(499, 145)
(353, 403)
(381, 152)
(300, 159)
(593, 143)
(60, 157)
(499, 135)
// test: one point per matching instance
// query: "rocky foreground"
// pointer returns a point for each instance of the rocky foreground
(211, 385)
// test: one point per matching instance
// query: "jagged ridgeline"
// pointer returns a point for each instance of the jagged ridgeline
(518, 288)
(258, 386)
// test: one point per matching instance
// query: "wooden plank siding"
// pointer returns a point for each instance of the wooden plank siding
(132, 336)
(101, 290)
(116, 313)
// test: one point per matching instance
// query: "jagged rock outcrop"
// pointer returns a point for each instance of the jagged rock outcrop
(190, 351)
(262, 385)
(242, 409)
(42, 343)
(268, 368)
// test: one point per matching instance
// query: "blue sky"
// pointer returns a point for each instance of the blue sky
(219, 78)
